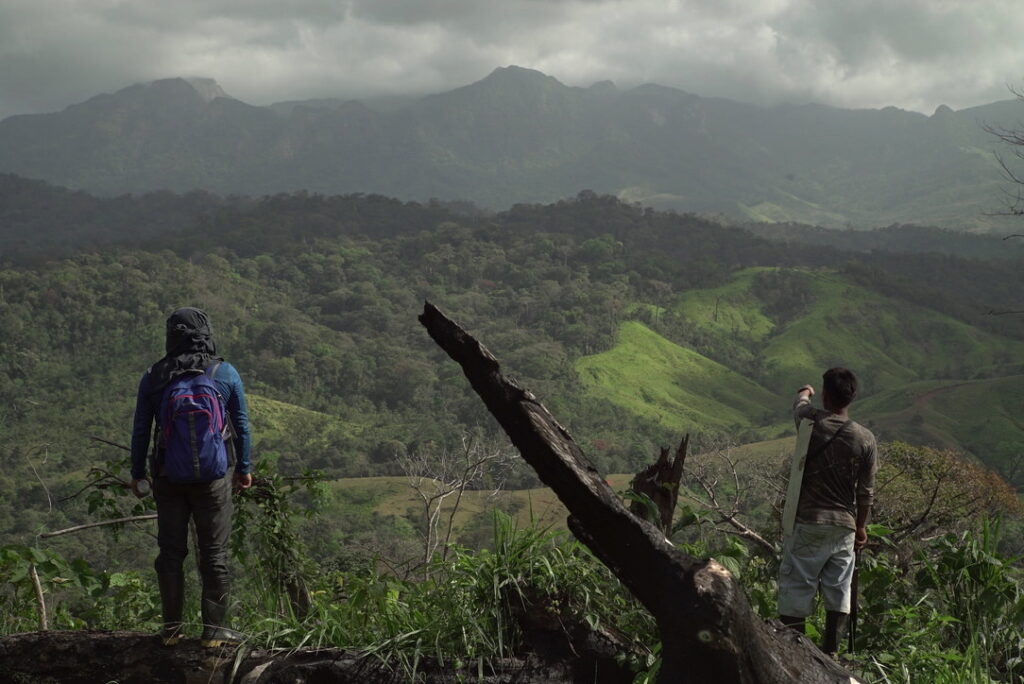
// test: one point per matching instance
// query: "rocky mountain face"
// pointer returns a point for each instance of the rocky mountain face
(521, 136)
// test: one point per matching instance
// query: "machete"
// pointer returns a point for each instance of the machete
(852, 633)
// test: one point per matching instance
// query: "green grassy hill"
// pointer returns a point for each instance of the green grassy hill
(891, 342)
(674, 386)
(381, 497)
(926, 377)
(799, 322)
(632, 326)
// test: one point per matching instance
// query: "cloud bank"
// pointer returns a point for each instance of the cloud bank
(914, 54)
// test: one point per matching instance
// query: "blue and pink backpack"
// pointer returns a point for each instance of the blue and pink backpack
(193, 433)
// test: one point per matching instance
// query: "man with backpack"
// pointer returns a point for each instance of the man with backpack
(835, 499)
(201, 450)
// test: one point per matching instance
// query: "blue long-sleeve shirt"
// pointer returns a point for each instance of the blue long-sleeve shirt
(147, 406)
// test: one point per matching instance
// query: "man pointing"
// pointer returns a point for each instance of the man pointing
(835, 500)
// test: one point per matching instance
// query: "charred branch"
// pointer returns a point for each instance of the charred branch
(659, 483)
(708, 629)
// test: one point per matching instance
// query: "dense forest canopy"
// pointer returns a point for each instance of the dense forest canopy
(314, 298)
(632, 325)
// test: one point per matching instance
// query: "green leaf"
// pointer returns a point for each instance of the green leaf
(731, 564)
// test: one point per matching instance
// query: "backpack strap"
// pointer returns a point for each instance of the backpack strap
(228, 433)
(831, 439)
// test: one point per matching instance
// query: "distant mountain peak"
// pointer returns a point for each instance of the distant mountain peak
(207, 88)
(604, 87)
(942, 110)
(518, 71)
(517, 74)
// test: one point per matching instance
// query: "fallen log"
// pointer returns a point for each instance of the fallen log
(92, 657)
(708, 629)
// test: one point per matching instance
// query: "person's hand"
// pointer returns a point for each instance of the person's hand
(139, 489)
(808, 389)
(861, 539)
(242, 481)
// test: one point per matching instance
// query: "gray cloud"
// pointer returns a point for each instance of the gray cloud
(871, 53)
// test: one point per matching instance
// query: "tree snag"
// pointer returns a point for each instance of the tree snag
(708, 630)
(659, 482)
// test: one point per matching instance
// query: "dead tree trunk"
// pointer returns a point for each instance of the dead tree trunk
(660, 483)
(709, 631)
(88, 657)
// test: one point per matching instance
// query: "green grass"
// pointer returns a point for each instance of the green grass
(674, 386)
(392, 495)
(888, 342)
(926, 377)
(272, 418)
(729, 310)
(465, 615)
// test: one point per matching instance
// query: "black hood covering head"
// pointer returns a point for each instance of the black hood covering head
(189, 346)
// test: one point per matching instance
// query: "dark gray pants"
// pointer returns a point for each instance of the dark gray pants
(209, 505)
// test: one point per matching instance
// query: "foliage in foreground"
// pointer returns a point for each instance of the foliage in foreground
(463, 617)
(948, 608)
(951, 608)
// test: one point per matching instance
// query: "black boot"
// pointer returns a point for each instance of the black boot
(172, 601)
(835, 628)
(794, 623)
(216, 632)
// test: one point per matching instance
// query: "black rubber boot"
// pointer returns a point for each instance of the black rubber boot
(172, 601)
(794, 623)
(835, 629)
(216, 632)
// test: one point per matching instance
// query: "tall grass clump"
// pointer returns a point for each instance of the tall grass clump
(471, 611)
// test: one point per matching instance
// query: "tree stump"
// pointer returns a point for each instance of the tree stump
(659, 482)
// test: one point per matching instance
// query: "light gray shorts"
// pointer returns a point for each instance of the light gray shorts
(816, 556)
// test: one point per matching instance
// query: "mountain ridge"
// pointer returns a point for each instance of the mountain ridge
(521, 136)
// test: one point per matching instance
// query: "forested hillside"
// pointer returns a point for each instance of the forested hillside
(633, 325)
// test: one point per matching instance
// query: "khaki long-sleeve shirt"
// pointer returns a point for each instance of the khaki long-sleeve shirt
(841, 477)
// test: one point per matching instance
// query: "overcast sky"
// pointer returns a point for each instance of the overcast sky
(914, 54)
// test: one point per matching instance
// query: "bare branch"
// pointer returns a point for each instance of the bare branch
(40, 600)
(76, 528)
(928, 508)
(725, 517)
(741, 530)
(28, 457)
(107, 441)
(438, 474)
(103, 476)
